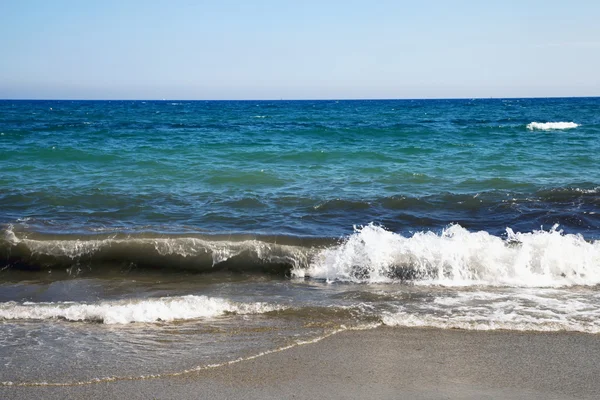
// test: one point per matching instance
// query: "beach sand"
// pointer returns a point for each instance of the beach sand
(382, 363)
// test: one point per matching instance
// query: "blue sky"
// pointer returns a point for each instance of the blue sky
(268, 49)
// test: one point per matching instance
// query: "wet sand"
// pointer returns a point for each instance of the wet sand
(383, 363)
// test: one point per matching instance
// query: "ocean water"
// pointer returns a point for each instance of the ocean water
(148, 238)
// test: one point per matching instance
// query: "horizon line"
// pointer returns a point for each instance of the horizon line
(309, 99)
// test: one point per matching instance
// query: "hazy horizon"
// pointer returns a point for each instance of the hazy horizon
(309, 99)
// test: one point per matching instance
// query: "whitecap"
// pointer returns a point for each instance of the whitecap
(545, 126)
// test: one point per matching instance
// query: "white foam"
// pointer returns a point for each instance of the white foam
(127, 311)
(9, 235)
(486, 323)
(536, 310)
(545, 126)
(457, 257)
(588, 191)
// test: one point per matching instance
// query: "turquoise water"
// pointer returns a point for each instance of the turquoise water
(303, 168)
(142, 237)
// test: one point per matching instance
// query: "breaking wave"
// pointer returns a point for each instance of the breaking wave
(457, 257)
(453, 257)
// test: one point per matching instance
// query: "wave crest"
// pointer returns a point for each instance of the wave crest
(183, 253)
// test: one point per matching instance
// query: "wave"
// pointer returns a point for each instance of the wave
(162, 309)
(457, 257)
(453, 257)
(545, 126)
(177, 253)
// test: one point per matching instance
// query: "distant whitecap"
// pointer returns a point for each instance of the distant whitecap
(546, 126)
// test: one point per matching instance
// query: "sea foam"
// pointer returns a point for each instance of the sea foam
(520, 309)
(458, 257)
(162, 309)
(546, 126)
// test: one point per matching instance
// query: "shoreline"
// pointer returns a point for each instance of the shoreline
(384, 362)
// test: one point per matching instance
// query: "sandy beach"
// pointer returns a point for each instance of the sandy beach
(382, 363)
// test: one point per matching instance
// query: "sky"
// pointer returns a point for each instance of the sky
(305, 49)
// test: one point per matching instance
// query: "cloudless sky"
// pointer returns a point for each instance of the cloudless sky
(272, 49)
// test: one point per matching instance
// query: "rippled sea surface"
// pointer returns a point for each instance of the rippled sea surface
(153, 237)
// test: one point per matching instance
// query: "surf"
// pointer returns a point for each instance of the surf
(454, 256)
(164, 309)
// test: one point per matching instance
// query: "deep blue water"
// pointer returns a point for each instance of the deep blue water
(300, 168)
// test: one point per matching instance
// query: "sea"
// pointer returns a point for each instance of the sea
(152, 238)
